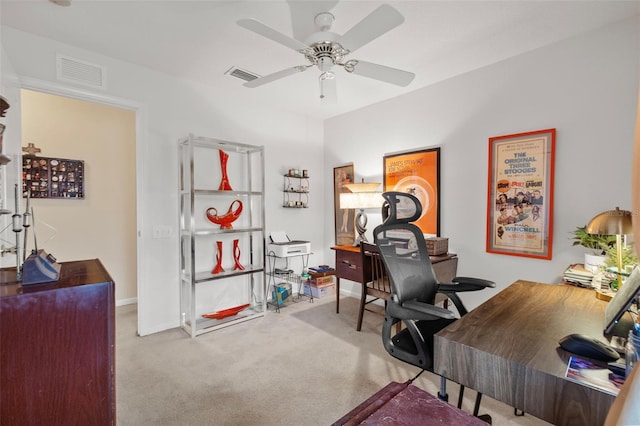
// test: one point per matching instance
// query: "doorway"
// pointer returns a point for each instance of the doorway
(103, 224)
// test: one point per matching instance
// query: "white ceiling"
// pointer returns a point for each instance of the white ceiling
(200, 40)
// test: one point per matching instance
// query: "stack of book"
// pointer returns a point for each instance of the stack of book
(577, 274)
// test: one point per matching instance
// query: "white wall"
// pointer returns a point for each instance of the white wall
(169, 109)
(585, 87)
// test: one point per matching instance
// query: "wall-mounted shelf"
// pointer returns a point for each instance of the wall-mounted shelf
(296, 192)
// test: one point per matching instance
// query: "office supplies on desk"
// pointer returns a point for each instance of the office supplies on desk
(593, 348)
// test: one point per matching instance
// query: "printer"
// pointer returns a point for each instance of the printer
(282, 246)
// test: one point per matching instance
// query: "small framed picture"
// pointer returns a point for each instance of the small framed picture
(45, 177)
(344, 226)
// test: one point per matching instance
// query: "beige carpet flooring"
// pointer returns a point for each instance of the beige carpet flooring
(306, 365)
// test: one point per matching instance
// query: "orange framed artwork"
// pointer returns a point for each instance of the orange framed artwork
(418, 173)
(520, 194)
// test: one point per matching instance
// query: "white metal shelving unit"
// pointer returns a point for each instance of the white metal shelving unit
(201, 290)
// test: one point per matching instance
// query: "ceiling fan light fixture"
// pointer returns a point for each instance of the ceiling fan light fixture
(327, 75)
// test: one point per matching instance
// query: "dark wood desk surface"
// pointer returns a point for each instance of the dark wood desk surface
(507, 348)
(72, 274)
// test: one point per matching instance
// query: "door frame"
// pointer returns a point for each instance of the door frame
(141, 142)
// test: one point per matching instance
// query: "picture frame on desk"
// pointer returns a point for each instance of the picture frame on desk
(520, 194)
(344, 218)
(418, 173)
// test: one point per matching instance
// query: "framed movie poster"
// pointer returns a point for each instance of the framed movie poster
(418, 173)
(520, 194)
(344, 225)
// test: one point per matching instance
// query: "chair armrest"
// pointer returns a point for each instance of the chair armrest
(428, 309)
(465, 284)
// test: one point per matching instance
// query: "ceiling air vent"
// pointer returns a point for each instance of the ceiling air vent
(242, 74)
(82, 72)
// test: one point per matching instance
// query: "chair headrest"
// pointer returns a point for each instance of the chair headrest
(400, 207)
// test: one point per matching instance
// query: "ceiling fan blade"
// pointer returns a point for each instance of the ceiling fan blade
(383, 73)
(268, 32)
(275, 76)
(378, 22)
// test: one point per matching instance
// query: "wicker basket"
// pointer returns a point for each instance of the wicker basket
(437, 246)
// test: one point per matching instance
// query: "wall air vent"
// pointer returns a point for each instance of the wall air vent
(77, 71)
(242, 74)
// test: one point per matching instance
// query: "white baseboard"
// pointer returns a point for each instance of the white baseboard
(158, 328)
(123, 302)
(350, 293)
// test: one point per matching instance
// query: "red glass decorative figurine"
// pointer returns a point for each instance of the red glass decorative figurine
(218, 268)
(236, 256)
(226, 312)
(224, 183)
(225, 220)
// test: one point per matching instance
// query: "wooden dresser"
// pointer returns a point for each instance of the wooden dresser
(349, 266)
(57, 348)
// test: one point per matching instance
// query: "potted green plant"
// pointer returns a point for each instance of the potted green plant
(598, 244)
(629, 256)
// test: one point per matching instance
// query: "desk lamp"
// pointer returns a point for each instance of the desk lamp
(613, 222)
(362, 196)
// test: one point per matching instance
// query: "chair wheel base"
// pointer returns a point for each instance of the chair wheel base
(444, 397)
(485, 418)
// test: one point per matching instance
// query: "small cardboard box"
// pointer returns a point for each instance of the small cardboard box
(319, 291)
(325, 273)
(437, 246)
(321, 280)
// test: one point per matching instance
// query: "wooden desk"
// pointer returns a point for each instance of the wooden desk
(507, 348)
(57, 348)
(349, 266)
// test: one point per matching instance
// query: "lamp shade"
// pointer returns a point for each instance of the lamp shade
(361, 200)
(363, 186)
(611, 222)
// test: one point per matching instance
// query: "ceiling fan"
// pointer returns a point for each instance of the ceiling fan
(325, 49)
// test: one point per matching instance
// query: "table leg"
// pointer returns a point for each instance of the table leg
(337, 295)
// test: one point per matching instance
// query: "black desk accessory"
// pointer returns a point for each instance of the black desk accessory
(618, 367)
(622, 301)
(589, 347)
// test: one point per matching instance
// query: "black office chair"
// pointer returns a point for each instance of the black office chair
(414, 287)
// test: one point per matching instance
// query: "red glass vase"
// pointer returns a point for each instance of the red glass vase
(224, 182)
(218, 268)
(225, 220)
(236, 256)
